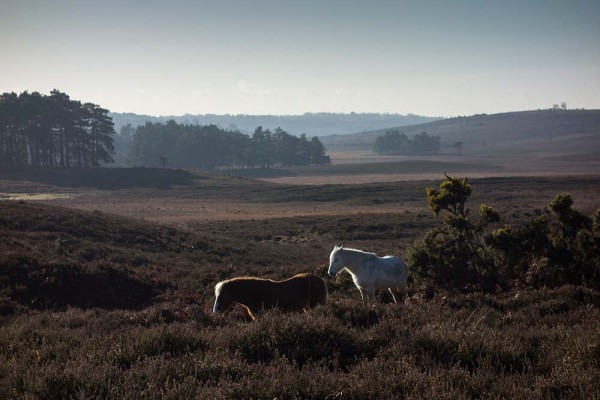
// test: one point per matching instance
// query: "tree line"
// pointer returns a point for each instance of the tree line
(395, 142)
(56, 131)
(210, 147)
(53, 131)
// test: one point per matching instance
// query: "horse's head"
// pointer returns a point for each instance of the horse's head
(335, 261)
(223, 299)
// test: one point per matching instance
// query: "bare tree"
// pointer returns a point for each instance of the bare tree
(458, 146)
(163, 161)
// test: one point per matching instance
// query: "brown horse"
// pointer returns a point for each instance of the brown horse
(297, 293)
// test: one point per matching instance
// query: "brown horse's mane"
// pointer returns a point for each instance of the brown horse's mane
(255, 278)
(247, 278)
(242, 279)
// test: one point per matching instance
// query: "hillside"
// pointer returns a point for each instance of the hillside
(50, 258)
(483, 132)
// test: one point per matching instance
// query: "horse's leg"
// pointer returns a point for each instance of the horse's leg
(363, 293)
(249, 313)
(403, 293)
(394, 293)
(371, 292)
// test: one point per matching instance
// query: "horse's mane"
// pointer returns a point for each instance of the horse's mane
(242, 278)
(219, 286)
(350, 249)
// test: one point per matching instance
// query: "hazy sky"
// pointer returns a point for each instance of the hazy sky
(442, 58)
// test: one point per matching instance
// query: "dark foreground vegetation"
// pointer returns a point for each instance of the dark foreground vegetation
(100, 306)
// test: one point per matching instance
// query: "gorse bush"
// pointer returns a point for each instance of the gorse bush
(454, 255)
(560, 246)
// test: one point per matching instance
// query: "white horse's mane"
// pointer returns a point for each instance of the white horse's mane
(352, 250)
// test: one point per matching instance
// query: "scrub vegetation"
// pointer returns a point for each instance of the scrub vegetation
(97, 305)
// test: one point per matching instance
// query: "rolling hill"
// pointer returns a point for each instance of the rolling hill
(579, 129)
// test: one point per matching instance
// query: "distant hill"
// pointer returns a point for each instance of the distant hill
(313, 124)
(485, 130)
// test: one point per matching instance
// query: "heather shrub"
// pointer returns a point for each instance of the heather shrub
(302, 340)
(462, 346)
(140, 344)
(350, 312)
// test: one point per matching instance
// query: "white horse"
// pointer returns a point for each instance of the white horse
(370, 272)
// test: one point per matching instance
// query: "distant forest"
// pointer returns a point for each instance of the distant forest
(395, 142)
(314, 124)
(53, 131)
(209, 147)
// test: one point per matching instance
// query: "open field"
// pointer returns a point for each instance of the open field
(560, 158)
(177, 196)
(106, 292)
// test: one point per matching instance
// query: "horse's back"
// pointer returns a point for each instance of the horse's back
(392, 261)
(305, 290)
(391, 270)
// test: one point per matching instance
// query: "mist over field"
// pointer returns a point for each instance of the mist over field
(317, 124)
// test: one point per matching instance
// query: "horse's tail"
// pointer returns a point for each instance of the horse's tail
(404, 271)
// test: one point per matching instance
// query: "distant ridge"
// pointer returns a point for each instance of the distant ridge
(313, 124)
(485, 129)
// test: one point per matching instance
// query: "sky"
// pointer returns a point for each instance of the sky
(433, 58)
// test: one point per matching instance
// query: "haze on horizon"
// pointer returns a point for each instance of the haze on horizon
(432, 58)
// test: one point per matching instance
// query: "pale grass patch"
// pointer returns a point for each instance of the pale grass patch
(34, 196)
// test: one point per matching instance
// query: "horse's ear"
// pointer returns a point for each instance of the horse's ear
(341, 246)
